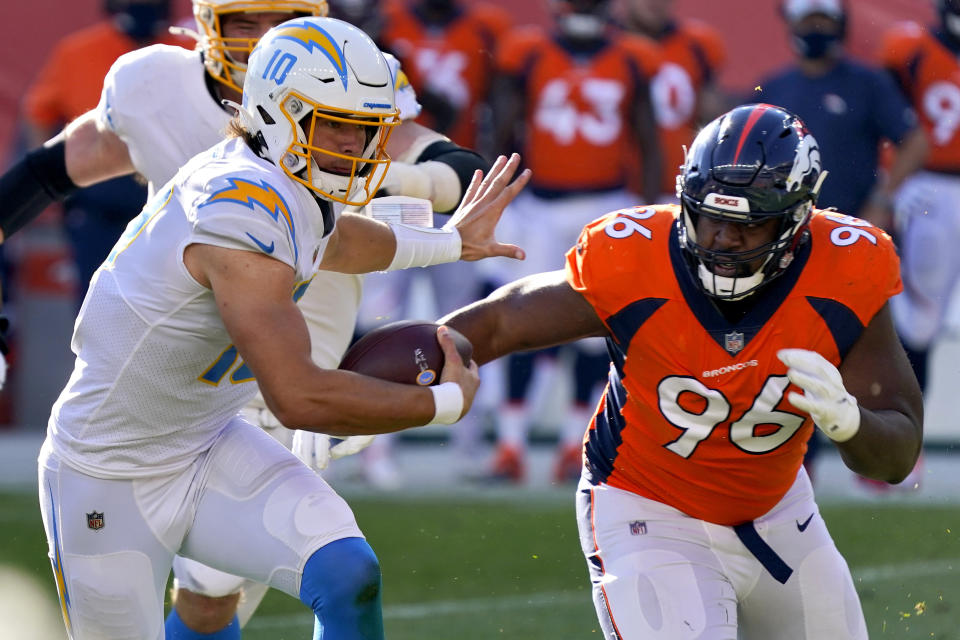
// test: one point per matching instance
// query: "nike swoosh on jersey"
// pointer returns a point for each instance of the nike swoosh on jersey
(266, 248)
(803, 526)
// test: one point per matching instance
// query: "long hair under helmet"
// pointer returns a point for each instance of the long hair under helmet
(320, 72)
(754, 163)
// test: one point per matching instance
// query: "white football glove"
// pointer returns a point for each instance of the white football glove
(824, 397)
(315, 449)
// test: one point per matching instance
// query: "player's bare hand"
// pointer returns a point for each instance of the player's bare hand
(465, 374)
(483, 203)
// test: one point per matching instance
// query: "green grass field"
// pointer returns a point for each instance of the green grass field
(489, 566)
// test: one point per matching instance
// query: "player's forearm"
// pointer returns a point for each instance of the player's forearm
(80, 156)
(364, 245)
(535, 312)
(911, 155)
(94, 154)
(649, 143)
(342, 403)
(359, 245)
(886, 445)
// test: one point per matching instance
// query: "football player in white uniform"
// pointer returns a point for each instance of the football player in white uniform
(160, 106)
(195, 305)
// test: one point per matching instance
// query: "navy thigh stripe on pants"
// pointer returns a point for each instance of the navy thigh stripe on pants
(763, 552)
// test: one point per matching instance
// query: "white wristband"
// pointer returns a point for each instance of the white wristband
(448, 400)
(422, 247)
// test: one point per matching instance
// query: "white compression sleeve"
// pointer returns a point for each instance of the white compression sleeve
(422, 247)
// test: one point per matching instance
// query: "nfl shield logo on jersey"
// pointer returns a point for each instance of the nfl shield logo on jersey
(733, 342)
(638, 528)
(95, 521)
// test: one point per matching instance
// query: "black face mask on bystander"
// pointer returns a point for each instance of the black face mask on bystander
(141, 21)
(816, 45)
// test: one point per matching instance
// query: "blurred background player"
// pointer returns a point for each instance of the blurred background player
(852, 109)
(924, 62)
(160, 106)
(68, 86)
(684, 92)
(575, 100)
(446, 49)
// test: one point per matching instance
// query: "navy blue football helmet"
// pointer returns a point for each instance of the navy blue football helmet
(751, 164)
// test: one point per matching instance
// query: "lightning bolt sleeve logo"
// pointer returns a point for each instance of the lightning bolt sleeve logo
(258, 194)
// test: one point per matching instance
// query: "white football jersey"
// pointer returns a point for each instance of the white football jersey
(156, 376)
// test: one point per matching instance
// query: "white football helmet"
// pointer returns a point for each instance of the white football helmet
(321, 72)
(219, 53)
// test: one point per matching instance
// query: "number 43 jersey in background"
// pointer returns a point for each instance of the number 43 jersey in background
(696, 414)
(578, 119)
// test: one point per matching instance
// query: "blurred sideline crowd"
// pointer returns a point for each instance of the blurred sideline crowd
(600, 104)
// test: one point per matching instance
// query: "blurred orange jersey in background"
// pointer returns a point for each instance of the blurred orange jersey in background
(693, 53)
(929, 74)
(455, 61)
(577, 127)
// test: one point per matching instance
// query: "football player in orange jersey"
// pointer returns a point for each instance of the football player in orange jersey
(446, 47)
(684, 91)
(926, 63)
(574, 99)
(737, 322)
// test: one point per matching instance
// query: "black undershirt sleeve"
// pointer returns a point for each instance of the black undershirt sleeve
(33, 184)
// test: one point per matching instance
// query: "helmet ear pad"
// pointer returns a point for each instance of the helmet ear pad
(750, 164)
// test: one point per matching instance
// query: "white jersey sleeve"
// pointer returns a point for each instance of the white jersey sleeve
(156, 100)
(249, 215)
(406, 95)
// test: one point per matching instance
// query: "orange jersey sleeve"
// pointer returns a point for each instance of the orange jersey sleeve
(929, 73)
(577, 107)
(695, 414)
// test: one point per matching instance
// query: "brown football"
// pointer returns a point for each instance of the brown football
(407, 352)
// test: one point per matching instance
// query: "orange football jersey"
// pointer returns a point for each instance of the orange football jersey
(930, 74)
(693, 53)
(696, 414)
(577, 106)
(455, 61)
